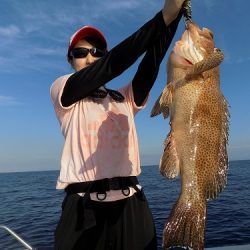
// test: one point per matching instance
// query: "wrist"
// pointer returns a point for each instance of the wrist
(168, 18)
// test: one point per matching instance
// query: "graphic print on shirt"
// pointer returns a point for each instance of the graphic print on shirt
(108, 136)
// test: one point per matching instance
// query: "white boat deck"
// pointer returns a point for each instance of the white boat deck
(240, 247)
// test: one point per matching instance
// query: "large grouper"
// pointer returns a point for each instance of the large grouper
(196, 146)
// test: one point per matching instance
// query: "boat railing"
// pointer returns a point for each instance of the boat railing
(17, 237)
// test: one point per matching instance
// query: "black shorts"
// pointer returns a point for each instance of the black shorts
(120, 225)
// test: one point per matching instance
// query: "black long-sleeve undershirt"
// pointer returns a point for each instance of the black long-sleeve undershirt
(148, 69)
(154, 38)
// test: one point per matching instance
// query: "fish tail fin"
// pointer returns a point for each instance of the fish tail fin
(186, 225)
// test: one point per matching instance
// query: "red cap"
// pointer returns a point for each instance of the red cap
(86, 31)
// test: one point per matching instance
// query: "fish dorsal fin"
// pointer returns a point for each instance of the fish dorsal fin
(219, 180)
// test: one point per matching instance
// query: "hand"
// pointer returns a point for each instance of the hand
(171, 9)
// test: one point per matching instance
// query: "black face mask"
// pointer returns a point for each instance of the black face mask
(102, 92)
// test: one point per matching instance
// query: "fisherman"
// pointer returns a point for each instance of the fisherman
(104, 206)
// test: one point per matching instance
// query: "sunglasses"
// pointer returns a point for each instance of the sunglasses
(83, 52)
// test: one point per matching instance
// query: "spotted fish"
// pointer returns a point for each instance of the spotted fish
(196, 147)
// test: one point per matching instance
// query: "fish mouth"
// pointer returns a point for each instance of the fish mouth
(186, 49)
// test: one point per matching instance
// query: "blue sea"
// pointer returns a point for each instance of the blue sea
(30, 205)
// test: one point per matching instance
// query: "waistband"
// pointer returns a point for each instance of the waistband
(102, 186)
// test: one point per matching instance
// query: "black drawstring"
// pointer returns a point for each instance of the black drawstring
(103, 92)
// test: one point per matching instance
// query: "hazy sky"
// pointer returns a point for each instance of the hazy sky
(34, 38)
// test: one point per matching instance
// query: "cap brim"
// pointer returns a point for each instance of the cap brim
(86, 31)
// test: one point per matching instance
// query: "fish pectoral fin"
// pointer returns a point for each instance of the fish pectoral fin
(169, 163)
(166, 99)
(166, 96)
(212, 61)
(156, 110)
(162, 103)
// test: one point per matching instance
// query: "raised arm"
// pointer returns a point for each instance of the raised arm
(116, 61)
(121, 57)
(149, 67)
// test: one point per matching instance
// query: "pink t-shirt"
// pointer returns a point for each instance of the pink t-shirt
(100, 138)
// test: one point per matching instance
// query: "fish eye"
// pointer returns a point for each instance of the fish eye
(207, 33)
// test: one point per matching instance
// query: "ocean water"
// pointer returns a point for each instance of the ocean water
(30, 205)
